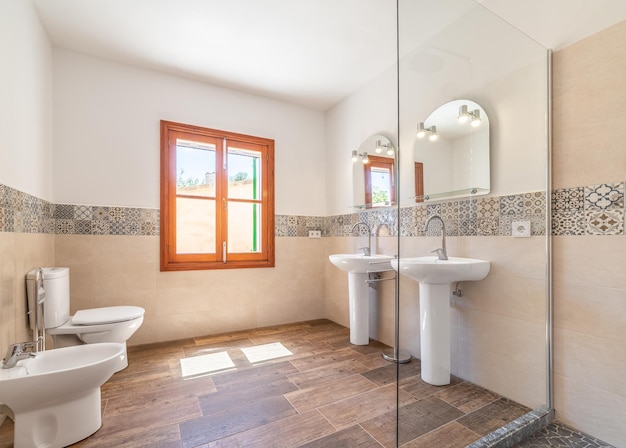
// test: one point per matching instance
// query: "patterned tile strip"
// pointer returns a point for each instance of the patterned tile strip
(557, 435)
(591, 210)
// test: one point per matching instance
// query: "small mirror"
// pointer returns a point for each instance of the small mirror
(451, 152)
(373, 173)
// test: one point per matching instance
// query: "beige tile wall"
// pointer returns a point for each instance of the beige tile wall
(589, 100)
(19, 253)
(124, 270)
(590, 271)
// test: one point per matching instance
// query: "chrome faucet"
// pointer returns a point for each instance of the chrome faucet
(19, 351)
(442, 253)
(380, 226)
(366, 250)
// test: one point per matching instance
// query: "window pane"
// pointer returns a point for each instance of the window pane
(244, 174)
(195, 226)
(381, 186)
(195, 168)
(244, 227)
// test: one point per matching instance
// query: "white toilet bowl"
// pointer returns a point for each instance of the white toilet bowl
(95, 325)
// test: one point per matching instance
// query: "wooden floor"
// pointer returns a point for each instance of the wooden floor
(205, 392)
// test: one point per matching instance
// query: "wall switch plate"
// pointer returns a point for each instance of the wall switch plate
(520, 229)
(315, 233)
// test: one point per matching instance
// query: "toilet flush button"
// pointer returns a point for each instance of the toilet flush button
(520, 229)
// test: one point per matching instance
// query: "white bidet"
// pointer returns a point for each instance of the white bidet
(55, 396)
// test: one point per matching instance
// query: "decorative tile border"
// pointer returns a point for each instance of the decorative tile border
(23, 213)
(514, 432)
(591, 210)
(557, 435)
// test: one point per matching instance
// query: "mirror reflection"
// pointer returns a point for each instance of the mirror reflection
(451, 152)
(373, 173)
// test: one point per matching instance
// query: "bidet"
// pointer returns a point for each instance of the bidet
(55, 396)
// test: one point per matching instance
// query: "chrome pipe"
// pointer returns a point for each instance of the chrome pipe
(548, 223)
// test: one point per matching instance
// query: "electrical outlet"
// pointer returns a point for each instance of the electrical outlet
(520, 229)
(315, 233)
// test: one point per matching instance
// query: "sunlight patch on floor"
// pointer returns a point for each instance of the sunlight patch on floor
(265, 352)
(204, 364)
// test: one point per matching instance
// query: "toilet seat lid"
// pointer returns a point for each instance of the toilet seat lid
(107, 315)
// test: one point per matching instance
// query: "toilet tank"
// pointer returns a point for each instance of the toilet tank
(56, 283)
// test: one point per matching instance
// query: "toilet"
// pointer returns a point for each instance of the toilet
(108, 324)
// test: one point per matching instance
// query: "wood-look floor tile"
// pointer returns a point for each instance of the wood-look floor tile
(414, 419)
(155, 393)
(467, 396)
(201, 349)
(421, 389)
(131, 425)
(328, 329)
(258, 373)
(374, 360)
(221, 338)
(452, 435)
(494, 415)
(314, 397)
(286, 433)
(6, 433)
(353, 437)
(389, 373)
(365, 406)
(242, 394)
(327, 373)
(324, 359)
(151, 404)
(233, 420)
(165, 437)
(372, 347)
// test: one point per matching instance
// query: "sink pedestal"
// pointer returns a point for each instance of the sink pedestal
(358, 267)
(435, 333)
(359, 303)
(435, 277)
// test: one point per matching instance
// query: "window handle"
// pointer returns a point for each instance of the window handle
(224, 251)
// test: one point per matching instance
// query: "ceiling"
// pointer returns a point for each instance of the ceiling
(308, 52)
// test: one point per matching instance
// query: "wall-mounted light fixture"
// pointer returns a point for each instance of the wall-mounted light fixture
(431, 132)
(380, 147)
(356, 156)
(473, 117)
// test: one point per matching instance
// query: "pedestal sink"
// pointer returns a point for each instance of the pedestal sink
(434, 277)
(358, 266)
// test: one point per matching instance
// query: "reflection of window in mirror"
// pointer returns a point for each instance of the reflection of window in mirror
(380, 188)
(419, 182)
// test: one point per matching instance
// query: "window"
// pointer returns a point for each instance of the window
(217, 199)
(380, 190)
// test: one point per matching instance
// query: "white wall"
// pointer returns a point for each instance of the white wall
(107, 133)
(503, 74)
(25, 100)
(371, 110)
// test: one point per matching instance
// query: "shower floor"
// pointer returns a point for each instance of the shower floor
(297, 385)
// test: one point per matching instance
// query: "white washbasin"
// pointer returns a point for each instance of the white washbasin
(434, 277)
(55, 396)
(361, 264)
(359, 293)
(432, 270)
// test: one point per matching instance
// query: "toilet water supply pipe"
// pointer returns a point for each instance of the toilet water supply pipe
(40, 296)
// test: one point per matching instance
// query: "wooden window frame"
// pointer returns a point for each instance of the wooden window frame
(172, 261)
(419, 182)
(379, 162)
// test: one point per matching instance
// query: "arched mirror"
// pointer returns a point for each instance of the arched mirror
(374, 173)
(451, 152)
